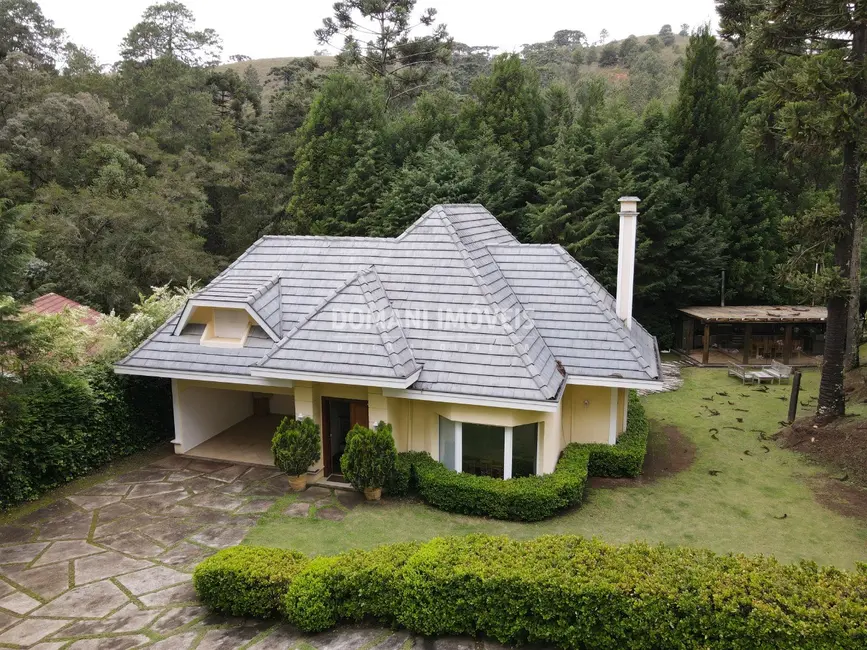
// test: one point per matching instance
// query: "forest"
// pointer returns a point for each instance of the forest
(163, 167)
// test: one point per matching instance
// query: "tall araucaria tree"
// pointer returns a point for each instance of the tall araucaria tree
(812, 56)
(379, 36)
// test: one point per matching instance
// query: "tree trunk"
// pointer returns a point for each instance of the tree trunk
(853, 326)
(832, 400)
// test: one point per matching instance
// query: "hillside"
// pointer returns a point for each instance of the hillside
(671, 57)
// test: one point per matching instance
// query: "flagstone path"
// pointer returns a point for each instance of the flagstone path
(109, 567)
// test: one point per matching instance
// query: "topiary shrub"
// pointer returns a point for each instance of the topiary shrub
(561, 591)
(625, 458)
(370, 456)
(247, 581)
(296, 445)
(530, 498)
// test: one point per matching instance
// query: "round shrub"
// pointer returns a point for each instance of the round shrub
(370, 456)
(296, 445)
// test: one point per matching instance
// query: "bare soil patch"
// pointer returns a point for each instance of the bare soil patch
(668, 453)
(841, 445)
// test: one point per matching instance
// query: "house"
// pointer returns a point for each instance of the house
(53, 303)
(490, 354)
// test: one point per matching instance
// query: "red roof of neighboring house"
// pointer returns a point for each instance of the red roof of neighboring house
(52, 303)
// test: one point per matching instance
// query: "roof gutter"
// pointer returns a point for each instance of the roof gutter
(547, 406)
(199, 376)
(616, 382)
(337, 378)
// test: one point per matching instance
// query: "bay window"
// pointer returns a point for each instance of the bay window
(486, 450)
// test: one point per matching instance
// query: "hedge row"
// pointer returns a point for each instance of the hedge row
(626, 458)
(530, 498)
(560, 590)
(58, 427)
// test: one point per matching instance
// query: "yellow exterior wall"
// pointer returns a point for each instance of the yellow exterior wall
(586, 414)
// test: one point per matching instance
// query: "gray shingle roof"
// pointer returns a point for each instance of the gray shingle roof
(445, 298)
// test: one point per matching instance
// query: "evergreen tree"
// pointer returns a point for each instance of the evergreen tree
(721, 180)
(817, 93)
(341, 166)
(575, 202)
(437, 174)
(508, 102)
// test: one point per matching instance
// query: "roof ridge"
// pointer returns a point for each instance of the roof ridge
(260, 291)
(319, 306)
(613, 318)
(520, 348)
(389, 345)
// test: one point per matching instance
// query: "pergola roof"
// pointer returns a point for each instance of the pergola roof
(759, 314)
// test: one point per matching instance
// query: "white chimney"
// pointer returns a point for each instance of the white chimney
(626, 257)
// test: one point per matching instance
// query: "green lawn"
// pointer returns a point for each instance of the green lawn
(733, 511)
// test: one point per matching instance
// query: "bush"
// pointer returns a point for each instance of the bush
(58, 426)
(247, 581)
(370, 456)
(626, 458)
(564, 591)
(529, 498)
(296, 445)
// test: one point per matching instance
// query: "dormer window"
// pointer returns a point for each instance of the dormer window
(227, 328)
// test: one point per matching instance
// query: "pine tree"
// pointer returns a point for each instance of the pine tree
(509, 103)
(720, 178)
(437, 174)
(341, 166)
(575, 202)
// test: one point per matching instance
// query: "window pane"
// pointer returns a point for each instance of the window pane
(483, 447)
(447, 442)
(524, 448)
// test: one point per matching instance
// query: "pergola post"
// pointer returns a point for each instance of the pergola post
(748, 343)
(787, 345)
(705, 355)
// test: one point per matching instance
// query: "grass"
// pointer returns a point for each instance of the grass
(735, 511)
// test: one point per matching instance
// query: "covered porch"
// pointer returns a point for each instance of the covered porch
(754, 335)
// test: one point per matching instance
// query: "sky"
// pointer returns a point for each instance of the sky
(278, 28)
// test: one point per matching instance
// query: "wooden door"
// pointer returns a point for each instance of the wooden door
(358, 414)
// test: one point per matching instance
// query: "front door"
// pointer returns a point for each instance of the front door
(338, 417)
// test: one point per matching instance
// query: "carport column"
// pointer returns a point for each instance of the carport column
(459, 446)
(507, 453)
(787, 345)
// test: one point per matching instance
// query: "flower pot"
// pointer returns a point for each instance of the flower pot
(372, 494)
(298, 483)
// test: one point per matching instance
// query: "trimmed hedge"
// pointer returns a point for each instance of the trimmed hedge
(626, 458)
(57, 427)
(561, 590)
(248, 581)
(530, 498)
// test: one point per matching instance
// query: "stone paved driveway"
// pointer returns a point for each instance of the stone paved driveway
(109, 567)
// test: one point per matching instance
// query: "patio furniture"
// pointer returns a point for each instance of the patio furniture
(753, 374)
(741, 372)
(782, 371)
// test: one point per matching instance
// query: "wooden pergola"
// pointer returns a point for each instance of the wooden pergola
(788, 316)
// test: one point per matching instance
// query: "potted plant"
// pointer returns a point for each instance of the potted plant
(369, 459)
(296, 446)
